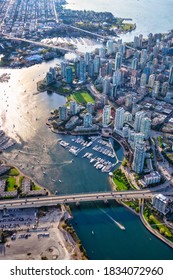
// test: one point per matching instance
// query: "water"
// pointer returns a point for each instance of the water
(97, 226)
(150, 16)
(39, 151)
(23, 116)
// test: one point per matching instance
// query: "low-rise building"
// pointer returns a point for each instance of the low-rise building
(152, 178)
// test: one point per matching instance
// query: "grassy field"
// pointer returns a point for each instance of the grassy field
(121, 181)
(13, 172)
(11, 182)
(82, 97)
(36, 188)
(120, 185)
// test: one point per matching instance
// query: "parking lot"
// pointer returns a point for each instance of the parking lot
(18, 219)
(33, 238)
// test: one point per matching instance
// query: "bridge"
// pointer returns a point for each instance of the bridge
(41, 44)
(77, 198)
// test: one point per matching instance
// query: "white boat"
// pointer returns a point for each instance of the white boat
(60, 181)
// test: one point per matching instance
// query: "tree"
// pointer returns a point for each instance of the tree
(162, 231)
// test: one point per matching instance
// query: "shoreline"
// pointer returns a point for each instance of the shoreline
(27, 176)
(141, 217)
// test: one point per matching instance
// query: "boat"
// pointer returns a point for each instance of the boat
(92, 232)
(60, 181)
(53, 180)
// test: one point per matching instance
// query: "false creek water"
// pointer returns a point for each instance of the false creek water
(19, 109)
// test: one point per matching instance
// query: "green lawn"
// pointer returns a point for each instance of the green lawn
(120, 185)
(13, 172)
(82, 97)
(11, 183)
(36, 188)
(120, 180)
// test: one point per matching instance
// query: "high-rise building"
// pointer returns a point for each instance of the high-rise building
(102, 52)
(151, 80)
(125, 131)
(171, 76)
(109, 68)
(63, 113)
(106, 115)
(73, 107)
(117, 78)
(63, 69)
(137, 43)
(76, 68)
(122, 49)
(155, 51)
(118, 61)
(156, 88)
(119, 118)
(139, 157)
(91, 68)
(135, 63)
(147, 72)
(102, 71)
(145, 127)
(97, 64)
(138, 117)
(127, 117)
(140, 40)
(82, 70)
(165, 88)
(87, 121)
(143, 58)
(150, 41)
(138, 138)
(110, 47)
(128, 100)
(90, 107)
(113, 91)
(87, 57)
(49, 78)
(53, 71)
(143, 80)
(69, 75)
(135, 107)
(106, 85)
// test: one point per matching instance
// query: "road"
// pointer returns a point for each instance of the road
(77, 198)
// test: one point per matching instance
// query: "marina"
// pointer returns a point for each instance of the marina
(103, 156)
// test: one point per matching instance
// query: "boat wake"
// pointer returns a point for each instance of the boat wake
(112, 219)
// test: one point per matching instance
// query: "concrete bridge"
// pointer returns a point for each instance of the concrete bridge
(77, 198)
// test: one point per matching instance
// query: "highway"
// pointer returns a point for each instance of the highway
(77, 198)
